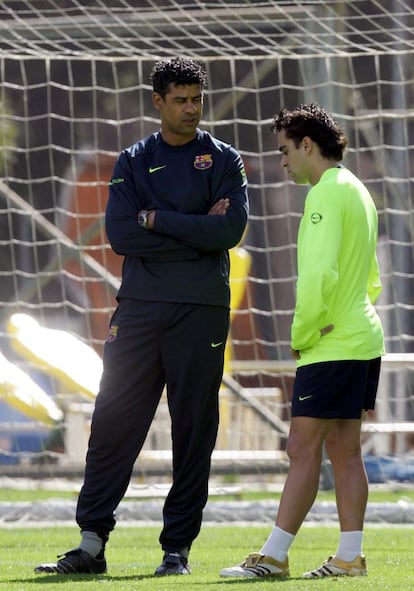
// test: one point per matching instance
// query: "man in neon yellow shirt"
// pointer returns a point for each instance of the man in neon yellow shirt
(336, 338)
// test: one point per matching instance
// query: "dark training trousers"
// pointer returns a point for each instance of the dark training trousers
(151, 344)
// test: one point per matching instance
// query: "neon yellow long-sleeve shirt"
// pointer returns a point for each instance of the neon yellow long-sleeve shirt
(338, 275)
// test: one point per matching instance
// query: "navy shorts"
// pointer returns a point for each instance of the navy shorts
(335, 389)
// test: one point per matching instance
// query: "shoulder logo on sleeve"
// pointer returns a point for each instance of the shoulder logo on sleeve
(315, 218)
(116, 181)
(203, 161)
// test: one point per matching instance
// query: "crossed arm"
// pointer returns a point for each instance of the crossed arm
(219, 208)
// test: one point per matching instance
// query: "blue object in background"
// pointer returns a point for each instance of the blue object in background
(17, 441)
(381, 469)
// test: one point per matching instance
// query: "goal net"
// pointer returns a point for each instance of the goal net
(75, 91)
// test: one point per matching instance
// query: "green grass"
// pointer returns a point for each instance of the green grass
(133, 553)
(375, 496)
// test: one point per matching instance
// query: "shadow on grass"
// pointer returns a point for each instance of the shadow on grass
(54, 578)
(251, 581)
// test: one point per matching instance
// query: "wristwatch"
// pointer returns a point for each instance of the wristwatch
(143, 217)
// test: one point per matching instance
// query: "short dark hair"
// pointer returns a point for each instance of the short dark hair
(177, 70)
(313, 121)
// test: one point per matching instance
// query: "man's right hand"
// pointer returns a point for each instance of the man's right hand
(220, 207)
(295, 353)
(327, 329)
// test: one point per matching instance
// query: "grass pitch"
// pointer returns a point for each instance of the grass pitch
(133, 553)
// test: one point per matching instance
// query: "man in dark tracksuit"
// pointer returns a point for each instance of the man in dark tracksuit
(177, 203)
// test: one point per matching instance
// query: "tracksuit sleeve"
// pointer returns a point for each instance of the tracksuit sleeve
(125, 235)
(212, 232)
(374, 287)
(318, 247)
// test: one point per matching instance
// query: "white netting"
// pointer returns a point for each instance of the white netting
(75, 91)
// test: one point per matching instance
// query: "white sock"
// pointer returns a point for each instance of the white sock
(277, 544)
(91, 543)
(350, 545)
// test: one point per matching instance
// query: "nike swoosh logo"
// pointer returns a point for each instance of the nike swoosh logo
(215, 345)
(302, 398)
(155, 168)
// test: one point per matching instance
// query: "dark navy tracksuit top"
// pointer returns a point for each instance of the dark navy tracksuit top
(184, 258)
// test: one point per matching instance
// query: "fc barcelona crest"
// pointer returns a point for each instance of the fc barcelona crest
(203, 162)
(113, 333)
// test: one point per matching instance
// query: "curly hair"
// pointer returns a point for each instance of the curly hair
(313, 121)
(177, 70)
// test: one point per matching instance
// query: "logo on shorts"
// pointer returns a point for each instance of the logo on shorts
(302, 398)
(316, 218)
(113, 333)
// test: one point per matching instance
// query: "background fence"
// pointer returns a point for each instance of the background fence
(75, 90)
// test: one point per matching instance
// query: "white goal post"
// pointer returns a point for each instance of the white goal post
(75, 91)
